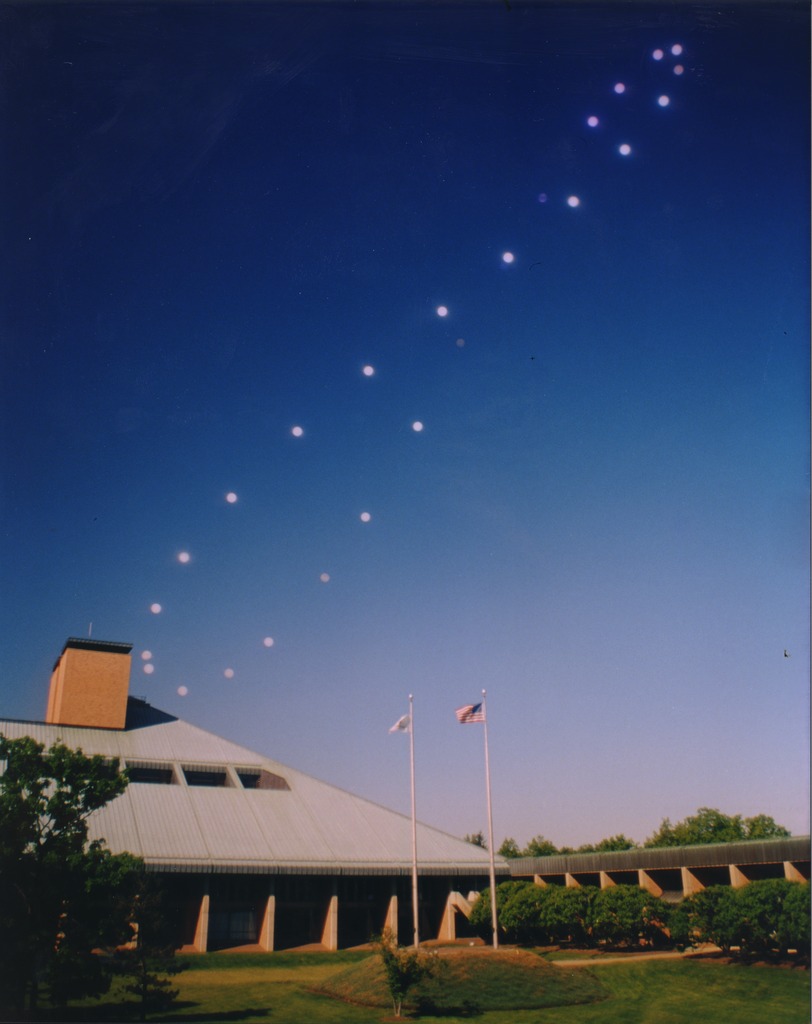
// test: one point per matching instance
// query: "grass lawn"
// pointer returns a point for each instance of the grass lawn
(691, 992)
(279, 990)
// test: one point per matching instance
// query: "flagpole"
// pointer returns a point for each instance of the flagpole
(490, 826)
(416, 937)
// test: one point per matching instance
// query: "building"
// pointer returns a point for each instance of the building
(254, 853)
(673, 873)
(257, 854)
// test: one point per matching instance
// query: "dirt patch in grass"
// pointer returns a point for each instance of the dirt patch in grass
(788, 963)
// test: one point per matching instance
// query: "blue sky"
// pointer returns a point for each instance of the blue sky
(217, 216)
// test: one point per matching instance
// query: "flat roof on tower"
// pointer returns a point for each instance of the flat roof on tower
(79, 643)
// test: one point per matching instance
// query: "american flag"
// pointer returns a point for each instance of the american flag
(470, 713)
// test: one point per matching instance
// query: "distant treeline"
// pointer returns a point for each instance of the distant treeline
(708, 825)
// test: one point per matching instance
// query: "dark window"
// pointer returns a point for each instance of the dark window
(157, 776)
(258, 778)
(233, 927)
(201, 777)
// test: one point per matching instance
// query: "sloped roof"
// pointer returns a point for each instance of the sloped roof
(311, 827)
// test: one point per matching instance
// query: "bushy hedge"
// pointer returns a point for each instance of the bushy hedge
(769, 916)
(764, 917)
(543, 915)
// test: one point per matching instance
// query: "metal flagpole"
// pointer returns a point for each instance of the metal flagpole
(490, 825)
(414, 827)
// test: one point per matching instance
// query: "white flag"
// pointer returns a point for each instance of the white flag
(403, 724)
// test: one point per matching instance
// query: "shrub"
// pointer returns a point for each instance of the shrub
(770, 915)
(792, 930)
(404, 968)
(624, 915)
(712, 915)
(566, 914)
(480, 918)
(519, 916)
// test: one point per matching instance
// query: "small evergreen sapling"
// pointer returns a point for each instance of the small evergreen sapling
(151, 954)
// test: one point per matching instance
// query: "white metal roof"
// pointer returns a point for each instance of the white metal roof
(312, 827)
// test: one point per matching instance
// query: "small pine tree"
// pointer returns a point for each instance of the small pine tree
(151, 955)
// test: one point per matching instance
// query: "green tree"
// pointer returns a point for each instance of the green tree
(711, 915)
(760, 907)
(404, 968)
(792, 930)
(509, 848)
(480, 917)
(624, 915)
(476, 839)
(529, 913)
(539, 847)
(96, 902)
(57, 890)
(609, 845)
(680, 925)
(147, 960)
(762, 826)
(518, 916)
(566, 914)
(613, 843)
(706, 826)
(709, 825)
(767, 916)
(664, 836)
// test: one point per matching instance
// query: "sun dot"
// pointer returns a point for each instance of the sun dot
(325, 577)
(368, 371)
(678, 69)
(508, 257)
(573, 201)
(183, 690)
(658, 54)
(676, 49)
(231, 497)
(365, 517)
(229, 673)
(184, 557)
(442, 311)
(592, 121)
(149, 669)
(297, 431)
(417, 426)
(620, 88)
(664, 101)
(268, 641)
(155, 608)
(146, 655)
(624, 149)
